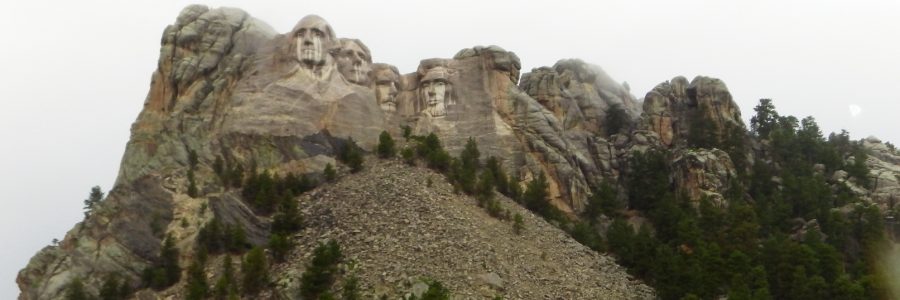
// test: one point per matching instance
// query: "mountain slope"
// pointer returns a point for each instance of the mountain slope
(397, 230)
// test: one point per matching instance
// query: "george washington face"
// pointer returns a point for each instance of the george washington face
(313, 38)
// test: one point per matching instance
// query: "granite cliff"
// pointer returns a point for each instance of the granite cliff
(230, 90)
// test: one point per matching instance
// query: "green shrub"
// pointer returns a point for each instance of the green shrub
(518, 224)
(280, 246)
(351, 155)
(386, 148)
(75, 290)
(408, 156)
(164, 272)
(329, 172)
(255, 269)
(321, 271)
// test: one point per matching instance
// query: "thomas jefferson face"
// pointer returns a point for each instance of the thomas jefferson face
(312, 36)
(354, 62)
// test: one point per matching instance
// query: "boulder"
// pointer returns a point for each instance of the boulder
(703, 173)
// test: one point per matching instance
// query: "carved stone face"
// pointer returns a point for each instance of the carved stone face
(435, 90)
(354, 61)
(313, 38)
(387, 81)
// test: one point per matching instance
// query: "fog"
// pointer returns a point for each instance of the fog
(74, 74)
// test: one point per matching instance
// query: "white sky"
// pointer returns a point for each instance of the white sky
(74, 74)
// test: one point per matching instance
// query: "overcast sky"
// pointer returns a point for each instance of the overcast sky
(74, 74)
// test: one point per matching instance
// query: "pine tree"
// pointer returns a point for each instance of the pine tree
(321, 271)
(93, 199)
(500, 178)
(436, 291)
(616, 120)
(192, 184)
(226, 286)
(407, 131)
(602, 201)
(114, 288)
(75, 290)
(279, 245)
(329, 172)
(351, 289)
(169, 260)
(537, 199)
(386, 148)
(764, 121)
(165, 271)
(518, 224)
(197, 286)
(648, 179)
(484, 190)
(255, 270)
(192, 159)
(351, 155)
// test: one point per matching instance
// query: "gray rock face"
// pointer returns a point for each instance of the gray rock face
(543, 125)
(119, 237)
(670, 105)
(227, 86)
(578, 94)
(884, 169)
(703, 173)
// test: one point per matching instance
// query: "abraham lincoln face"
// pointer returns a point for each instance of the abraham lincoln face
(435, 91)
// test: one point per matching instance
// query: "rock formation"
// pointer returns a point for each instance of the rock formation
(703, 173)
(231, 91)
(670, 105)
(228, 87)
(884, 169)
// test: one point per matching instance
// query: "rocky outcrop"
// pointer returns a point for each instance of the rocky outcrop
(578, 94)
(670, 106)
(703, 173)
(398, 231)
(120, 237)
(229, 88)
(884, 171)
(563, 137)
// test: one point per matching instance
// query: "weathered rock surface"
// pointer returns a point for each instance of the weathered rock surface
(578, 94)
(884, 171)
(703, 173)
(668, 110)
(670, 105)
(120, 237)
(562, 137)
(227, 86)
(397, 230)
